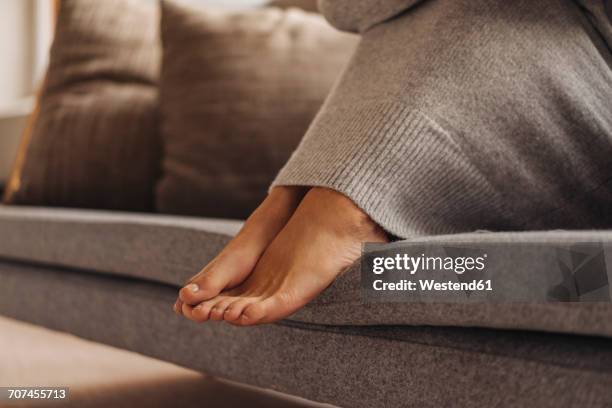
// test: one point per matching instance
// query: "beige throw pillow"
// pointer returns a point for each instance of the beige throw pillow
(93, 141)
(238, 90)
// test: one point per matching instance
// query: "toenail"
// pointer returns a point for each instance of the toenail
(193, 287)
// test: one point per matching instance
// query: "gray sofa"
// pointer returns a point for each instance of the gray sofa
(112, 277)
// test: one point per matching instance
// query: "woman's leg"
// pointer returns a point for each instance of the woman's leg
(283, 258)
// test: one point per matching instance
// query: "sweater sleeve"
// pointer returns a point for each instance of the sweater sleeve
(394, 163)
(462, 115)
(375, 142)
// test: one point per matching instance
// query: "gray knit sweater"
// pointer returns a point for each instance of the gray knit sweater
(456, 115)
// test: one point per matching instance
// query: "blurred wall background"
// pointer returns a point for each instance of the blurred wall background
(25, 32)
(25, 35)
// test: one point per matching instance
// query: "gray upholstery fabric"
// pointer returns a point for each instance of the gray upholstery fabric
(171, 249)
(346, 366)
(166, 249)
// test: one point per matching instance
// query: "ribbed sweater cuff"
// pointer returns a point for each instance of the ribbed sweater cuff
(395, 163)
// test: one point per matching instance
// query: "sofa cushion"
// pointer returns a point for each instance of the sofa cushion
(167, 249)
(170, 249)
(237, 92)
(93, 140)
(347, 366)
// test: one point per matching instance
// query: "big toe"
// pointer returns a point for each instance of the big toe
(203, 287)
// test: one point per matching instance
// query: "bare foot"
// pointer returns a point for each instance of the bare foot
(321, 239)
(237, 260)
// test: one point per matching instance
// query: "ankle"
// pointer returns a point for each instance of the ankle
(344, 215)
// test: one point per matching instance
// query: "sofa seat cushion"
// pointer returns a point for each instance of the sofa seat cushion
(166, 249)
(170, 249)
(346, 366)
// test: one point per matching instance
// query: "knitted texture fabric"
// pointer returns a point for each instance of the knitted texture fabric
(458, 115)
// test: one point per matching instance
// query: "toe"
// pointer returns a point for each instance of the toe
(178, 307)
(218, 310)
(235, 309)
(202, 288)
(201, 312)
(187, 311)
(254, 313)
